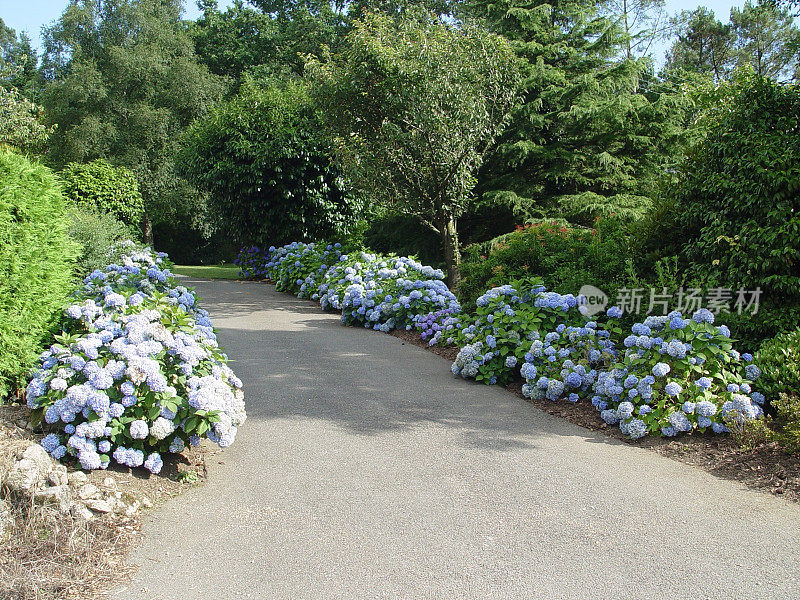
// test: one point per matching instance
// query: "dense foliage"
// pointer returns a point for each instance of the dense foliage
(21, 120)
(123, 82)
(564, 257)
(266, 167)
(137, 371)
(36, 265)
(594, 132)
(733, 218)
(106, 189)
(95, 233)
(779, 359)
(455, 122)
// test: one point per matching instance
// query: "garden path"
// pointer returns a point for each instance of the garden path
(365, 470)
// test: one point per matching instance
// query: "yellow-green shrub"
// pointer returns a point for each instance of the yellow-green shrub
(36, 263)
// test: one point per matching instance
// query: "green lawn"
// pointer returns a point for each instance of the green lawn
(225, 271)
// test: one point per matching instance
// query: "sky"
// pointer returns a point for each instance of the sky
(31, 15)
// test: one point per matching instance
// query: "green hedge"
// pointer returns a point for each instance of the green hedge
(104, 188)
(36, 263)
(779, 361)
(733, 220)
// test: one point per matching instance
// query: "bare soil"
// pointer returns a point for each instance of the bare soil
(51, 555)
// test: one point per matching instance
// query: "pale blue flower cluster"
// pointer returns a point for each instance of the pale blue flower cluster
(119, 383)
(440, 326)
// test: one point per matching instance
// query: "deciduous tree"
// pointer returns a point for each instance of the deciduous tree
(414, 103)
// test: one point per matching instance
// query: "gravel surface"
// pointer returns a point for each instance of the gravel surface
(365, 470)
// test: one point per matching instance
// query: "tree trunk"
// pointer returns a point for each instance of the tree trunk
(452, 255)
(147, 231)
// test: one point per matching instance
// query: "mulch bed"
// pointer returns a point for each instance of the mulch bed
(765, 468)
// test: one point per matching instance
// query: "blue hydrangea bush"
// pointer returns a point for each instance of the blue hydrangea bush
(370, 290)
(566, 362)
(508, 318)
(137, 372)
(393, 292)
(439, 327)
(298, 267)
(669, 375)
(678, 375)
(252, 262)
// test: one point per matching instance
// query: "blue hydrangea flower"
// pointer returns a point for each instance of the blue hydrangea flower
(661, 369)
(703, 316)
(673, 389)
(50, 442)
(706, 408)
(752, 372)
(609, 416)
(677, 323)
(680, 422)
(625, 410)
(637, 429)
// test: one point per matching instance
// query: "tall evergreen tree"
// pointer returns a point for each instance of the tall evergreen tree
(643, 23)
(767, 40)
(593, 132)
(123, 83)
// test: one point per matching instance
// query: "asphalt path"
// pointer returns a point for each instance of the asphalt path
(367, 471)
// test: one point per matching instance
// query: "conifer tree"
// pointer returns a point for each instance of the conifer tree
(594, 132)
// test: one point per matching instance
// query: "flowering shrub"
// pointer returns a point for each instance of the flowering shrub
(441, 326)
(349, 270)
(393, 292)
(137, 372)
(678, 375)
(508, 317)
(566, 362)
(297, 267)
(381, 292)
(252, 262)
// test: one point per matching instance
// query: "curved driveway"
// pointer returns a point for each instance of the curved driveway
(366, 471)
